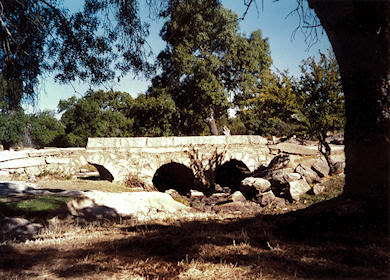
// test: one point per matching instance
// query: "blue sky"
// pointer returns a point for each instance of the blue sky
(287, 53)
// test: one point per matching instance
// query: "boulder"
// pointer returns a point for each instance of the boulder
(298, 188)
(307, 173)
(238, 197)
(318, 189)
(279, 162)
(21, 163)
(338, 167)
(135, 204)
(18, 228)
(279, 180)
(293, 149)
(279, 202)
(321, 168)
(218, 198)
(250, 187)
(247, 207)
(172, 192)
(266, 198)
(14, 187)
(194, 193)
(219, 189)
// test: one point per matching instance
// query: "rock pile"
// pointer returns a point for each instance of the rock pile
(274, 185)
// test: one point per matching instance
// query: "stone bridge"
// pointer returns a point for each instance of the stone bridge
(147, 158)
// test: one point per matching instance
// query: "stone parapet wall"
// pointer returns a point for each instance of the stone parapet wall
(61, 161)
(174, 141)
(143, 156)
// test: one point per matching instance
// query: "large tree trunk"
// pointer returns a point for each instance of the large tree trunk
(212, 125)
(359, 32)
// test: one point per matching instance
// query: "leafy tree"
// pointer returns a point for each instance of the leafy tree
(153, 116)
(45, 129)
(12, 126)
(270, 108)
(104, 40)
(321, 100)
(205, 61)
(97, 114)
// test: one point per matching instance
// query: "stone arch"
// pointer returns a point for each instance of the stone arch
(103, 172)
(231, 173)
(174, 175)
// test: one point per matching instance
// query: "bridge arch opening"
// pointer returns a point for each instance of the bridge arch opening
(174, 176)
(231, 173)
(103, 172)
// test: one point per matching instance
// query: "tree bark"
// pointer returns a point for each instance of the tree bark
(359, 32)
(213, 126)
(325, 150)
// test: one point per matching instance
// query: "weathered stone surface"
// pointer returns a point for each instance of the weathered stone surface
(266, 198)
(136, 204)
(318, 189)
(251, 186)
(238, 197)
(279, 202)
(338, 167)
(238, 207)
(57, 160)
(143, 157)
(10, 155)
(289, 177)
(321, 168)
(174, 141)
(298, 188)
(217, 198)
(194, 193)
(13, 187)
(20, 163)
(18, 227)
(33, 170)
(294, 149)
(4, 173)
(279, 162)
(307, 173)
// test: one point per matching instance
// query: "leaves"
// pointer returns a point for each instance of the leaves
(206, 61)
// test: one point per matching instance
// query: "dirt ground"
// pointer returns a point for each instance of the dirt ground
(323, 241)
(231, 248)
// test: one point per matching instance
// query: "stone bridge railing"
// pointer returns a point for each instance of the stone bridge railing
(118, 158)
(30, 162)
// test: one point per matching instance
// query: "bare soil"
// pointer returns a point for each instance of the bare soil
(334, 239)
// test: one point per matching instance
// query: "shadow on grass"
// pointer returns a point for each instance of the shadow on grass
(315, 243)
(35, 208)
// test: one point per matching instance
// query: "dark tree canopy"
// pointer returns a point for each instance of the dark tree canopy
(104, 40)
(206, 60)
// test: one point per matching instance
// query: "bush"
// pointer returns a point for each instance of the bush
(12, 125)
(45, 129)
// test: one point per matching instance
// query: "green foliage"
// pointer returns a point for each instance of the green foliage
(153, 116)
(45, 129)
(97, 114)
(270, 108)
(321, 100)
(12, 126)
(205, 61)
(104, 40)
(320, 96)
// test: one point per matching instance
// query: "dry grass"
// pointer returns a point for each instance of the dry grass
(82, 185)
(201, 247)
(298, 242)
